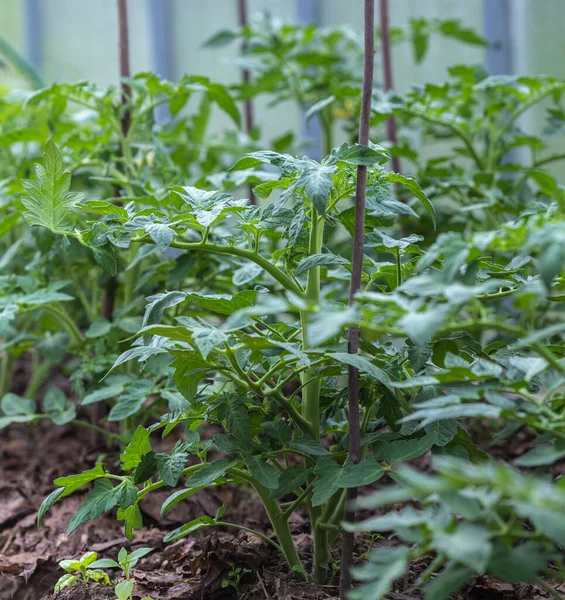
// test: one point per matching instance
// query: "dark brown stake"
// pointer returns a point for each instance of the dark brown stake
(246, 78)
(387, 77)
(110, 290)
(355, 285)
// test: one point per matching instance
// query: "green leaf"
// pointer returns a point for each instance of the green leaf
(333, 477)
(418, 355)
(385, 566)
(416, 190)
(146, 468)
(237, 422)
(318, 107)
(362, 364)
(247, 273)
(290, 480)
(223, 304)
(209, 473)
(100, 499)
(222, 38)
(469, 545)
(263, 472)
(308, 445)
(48, 201)
(123, 590)
(161, 234)
(48, 503)
(189, 528)
(523, 563)
(136, 449)
(132, 517)
(103, 207)
(12, 404)
(396, 451)
(318, 183)
(98, 329)
(540, 456)
(319, 260)
(104, 393)
(357, 154)
(171, 466)
(70, 483)
(126, 496)
(450, 581)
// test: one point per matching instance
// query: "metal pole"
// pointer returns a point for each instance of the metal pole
(160, 12)
(309, 12)
(32, 33)
(496, 19)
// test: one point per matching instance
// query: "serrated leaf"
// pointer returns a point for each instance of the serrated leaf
(100, 499)
(189, 528)
(138, 447)
(319, 260)
(263, 472)
(318, 182)
(290, 479)
(416, 190)
(362, 364)
(48, 200)
(309, 446)
(171, 466)
(146, 468)
(209, 473)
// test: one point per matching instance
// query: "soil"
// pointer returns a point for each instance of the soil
(194, 568)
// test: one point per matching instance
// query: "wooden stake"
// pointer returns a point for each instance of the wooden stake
(355, 285)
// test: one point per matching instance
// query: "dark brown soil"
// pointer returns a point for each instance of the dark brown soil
(194, 568)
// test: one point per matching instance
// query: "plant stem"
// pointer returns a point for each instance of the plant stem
(311, 389)
(255, 257)
(310, 379)
(65, 321)
(282, 531)
(355, 286)
(100, 430)
(5, 373)
(39, 373)
(388, 78)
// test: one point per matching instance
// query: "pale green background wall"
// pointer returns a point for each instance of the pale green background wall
(79, 39)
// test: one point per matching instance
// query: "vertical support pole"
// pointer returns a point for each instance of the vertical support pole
(249, 117)
(32, 33)
(309, 12)
(499, 59)
(496, 22)
(355, 285)
(388, 81)
(161, 56)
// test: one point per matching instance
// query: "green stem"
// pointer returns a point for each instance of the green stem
(462, 136)
(66, 322)
(310, 380)
(101, 430)
(40, 371)
(398, 268)
(5, 373)
(276, 273)
(282, 530)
